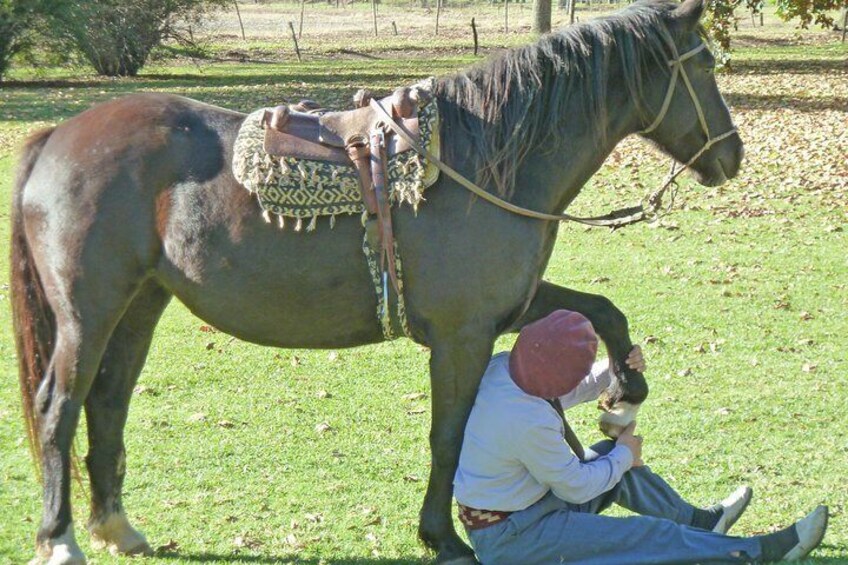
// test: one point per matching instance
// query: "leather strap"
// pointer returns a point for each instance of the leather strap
(384, 211)
(358, 152)
(570, 437)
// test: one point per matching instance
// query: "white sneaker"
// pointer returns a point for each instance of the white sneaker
(810, 532)
(733, 506)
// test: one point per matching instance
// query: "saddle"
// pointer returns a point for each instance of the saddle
(358, 138)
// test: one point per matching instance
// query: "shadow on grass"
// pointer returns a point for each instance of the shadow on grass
(289, 558)
(793, 66)
(770, 102)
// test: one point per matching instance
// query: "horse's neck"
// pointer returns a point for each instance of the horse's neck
(556, 177)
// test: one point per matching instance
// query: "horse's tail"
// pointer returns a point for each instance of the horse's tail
(32, 317)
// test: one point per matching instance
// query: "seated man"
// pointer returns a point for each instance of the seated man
(525, 498)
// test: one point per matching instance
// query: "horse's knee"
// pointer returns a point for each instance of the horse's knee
(609, 318)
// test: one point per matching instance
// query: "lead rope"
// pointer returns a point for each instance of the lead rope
(647, 210)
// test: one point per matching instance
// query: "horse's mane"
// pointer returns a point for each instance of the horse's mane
(518, 101)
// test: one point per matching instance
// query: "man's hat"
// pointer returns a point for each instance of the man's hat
(552, 355)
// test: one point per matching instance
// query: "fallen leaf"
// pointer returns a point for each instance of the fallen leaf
(323, 427)
(225, 424)
(415, 396)
(322, 394)
(808, 367)
(171, 545)
(198, 417)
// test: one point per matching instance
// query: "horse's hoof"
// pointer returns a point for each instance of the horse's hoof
(116, 535)
(60, 551)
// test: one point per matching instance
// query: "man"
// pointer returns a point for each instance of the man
(525, 498)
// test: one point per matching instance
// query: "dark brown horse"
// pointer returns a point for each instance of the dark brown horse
(132, 202)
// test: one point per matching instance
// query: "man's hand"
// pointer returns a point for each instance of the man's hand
(635, 360)
(632, 442)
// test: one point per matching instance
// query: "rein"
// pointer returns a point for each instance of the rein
(648, 209)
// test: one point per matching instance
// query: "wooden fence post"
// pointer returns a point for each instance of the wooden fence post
(238, 14)
(438, 14)
(294, 38)
(474, 33)
(506, 16)
(394, 27)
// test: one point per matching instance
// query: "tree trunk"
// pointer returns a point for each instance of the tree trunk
(542, 16)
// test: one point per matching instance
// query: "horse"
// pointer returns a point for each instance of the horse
(130, 203)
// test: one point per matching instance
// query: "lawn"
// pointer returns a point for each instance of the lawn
(238, 453)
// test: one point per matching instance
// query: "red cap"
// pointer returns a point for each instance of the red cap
(552, 355)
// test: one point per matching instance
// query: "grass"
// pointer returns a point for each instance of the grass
(739, 299)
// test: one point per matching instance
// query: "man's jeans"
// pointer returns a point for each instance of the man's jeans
(553, 531)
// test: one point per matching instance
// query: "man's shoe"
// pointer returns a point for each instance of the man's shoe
(732, 508)
(810, 532)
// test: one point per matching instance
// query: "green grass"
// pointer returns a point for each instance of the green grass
(224, 454)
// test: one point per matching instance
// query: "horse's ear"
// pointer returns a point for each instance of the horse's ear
(689, 13)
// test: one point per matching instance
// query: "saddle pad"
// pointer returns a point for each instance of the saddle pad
(304, 189)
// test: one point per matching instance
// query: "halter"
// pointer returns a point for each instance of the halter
(647, 210)
(677, 69)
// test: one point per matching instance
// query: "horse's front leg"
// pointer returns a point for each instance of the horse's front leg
(457, 363)
(628, 389)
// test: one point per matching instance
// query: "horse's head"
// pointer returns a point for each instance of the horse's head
(687, 117)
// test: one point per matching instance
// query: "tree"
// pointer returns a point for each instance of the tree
(542, 16)
(18, 22)
(721, 20)
(116, 36)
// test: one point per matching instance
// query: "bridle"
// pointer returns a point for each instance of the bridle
(678, 70)
(649, 209)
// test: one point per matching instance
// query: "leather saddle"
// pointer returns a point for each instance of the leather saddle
(355, 137)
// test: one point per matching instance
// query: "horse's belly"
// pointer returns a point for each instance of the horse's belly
(276, 287)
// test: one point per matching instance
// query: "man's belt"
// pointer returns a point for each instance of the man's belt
(475, 519)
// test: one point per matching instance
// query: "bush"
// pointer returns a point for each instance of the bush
(18, 20)
(117, 36)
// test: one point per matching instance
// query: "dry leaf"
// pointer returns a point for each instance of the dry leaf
(323, 427)
(171, 545)
(415, 396)
(198, 417)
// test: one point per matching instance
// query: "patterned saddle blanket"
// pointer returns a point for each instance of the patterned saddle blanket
(302, 190)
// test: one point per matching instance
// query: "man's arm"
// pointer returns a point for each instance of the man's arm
(548, 459)
(598, 380)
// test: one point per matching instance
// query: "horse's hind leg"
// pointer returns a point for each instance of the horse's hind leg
(85, 318)
(106, 413)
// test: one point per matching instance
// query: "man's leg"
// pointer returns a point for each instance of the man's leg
(644, 492)
(549, 533)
